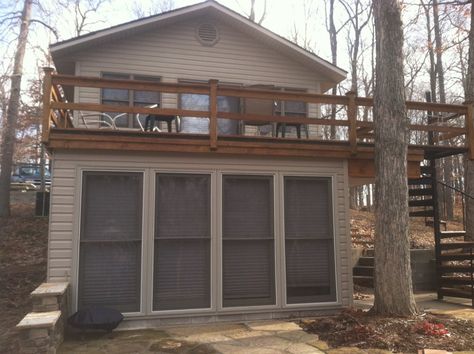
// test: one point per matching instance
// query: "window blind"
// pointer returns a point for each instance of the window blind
(182, 242)
(309, 250)
(110, 245)
(248, 241)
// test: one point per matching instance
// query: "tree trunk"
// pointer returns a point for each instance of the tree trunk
(9, 127)
(393, 284)
(447, 165)
(469, 164)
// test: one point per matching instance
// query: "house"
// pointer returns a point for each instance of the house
(214, 215)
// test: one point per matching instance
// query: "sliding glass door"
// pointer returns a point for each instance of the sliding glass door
(182, 266)
(111, 241)
(309, 240)
(248, 246)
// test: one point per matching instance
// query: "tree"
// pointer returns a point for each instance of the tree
(9, 124)
(82, 13)
(393, 284)
(140, 10)
(469, 164)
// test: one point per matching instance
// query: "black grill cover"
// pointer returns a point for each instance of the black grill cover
(96, 317)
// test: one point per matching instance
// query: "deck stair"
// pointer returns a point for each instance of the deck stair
(454, 255)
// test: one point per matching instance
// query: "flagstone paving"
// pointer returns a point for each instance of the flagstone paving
(264, 337)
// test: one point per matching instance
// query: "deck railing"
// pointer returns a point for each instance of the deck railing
(442, 124)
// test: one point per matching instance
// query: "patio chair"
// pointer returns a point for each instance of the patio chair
(103, 120)
(258, 107)
(152, 119)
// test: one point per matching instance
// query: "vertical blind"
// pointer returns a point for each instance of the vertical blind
(248, 241)
(309, 250)
(111, 239)
(181, 273)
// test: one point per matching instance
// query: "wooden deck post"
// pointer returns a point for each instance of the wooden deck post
(470, 129)
(352, 117)
(46, 104)
(213, 113)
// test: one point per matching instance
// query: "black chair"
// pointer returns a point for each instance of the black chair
(151, 119)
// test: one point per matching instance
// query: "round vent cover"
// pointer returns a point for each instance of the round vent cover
(207, 34)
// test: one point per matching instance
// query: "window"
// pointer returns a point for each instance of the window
(248, 246)
(200, 102)
(292, 108)
(309, 249)
(124, 97)
(111, 241)
(181, 272)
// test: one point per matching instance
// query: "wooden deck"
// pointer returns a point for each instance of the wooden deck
(436, 130)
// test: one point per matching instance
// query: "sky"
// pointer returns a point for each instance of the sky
(282, 16)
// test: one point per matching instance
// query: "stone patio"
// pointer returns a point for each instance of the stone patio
(265, 337)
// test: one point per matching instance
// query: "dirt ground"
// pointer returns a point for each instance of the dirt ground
(23, 245)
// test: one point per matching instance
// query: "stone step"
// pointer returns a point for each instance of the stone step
(48, 296)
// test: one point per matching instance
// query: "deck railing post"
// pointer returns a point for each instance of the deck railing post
(470, 129)
(352, 117)
(46, 104)
(213, 113)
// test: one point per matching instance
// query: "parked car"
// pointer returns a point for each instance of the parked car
(28, 176)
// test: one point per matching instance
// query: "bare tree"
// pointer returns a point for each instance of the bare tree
(140, 9)
(9, 124)
(252, 12)
(83, 13)
(333, 33)
(393, 284)
(359, 15)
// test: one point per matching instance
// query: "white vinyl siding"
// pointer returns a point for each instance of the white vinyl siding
(174, 53)
(65, 207)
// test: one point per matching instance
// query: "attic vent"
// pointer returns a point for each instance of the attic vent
(207, 34)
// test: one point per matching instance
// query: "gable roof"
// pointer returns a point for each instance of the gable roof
(332, 73)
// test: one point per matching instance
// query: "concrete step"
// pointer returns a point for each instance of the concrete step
(369, 252)
(363, 280)
(363, 270)
(366, 261)
(465, 294)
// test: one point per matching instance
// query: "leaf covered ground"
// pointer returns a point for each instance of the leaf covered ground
(23, 245)
(363, 230)
(357, 328)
